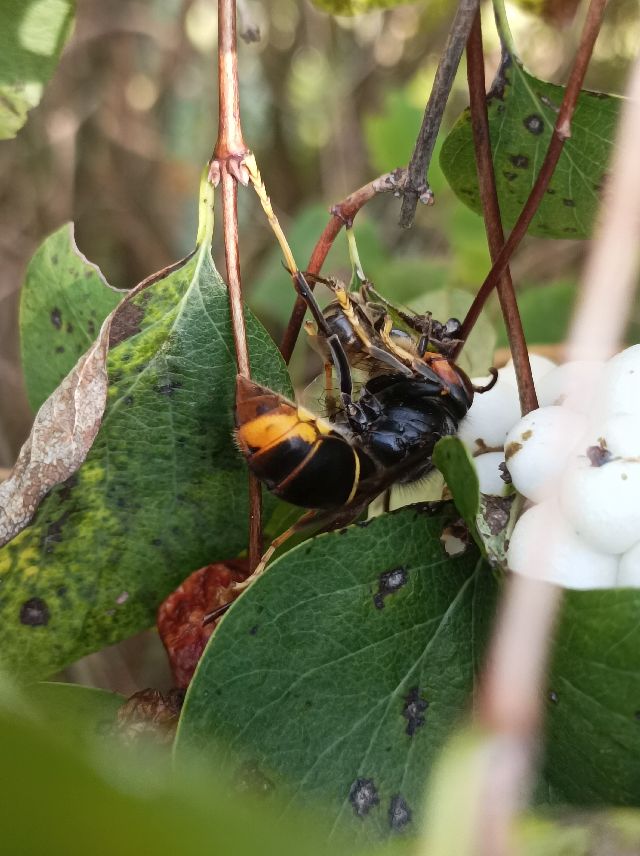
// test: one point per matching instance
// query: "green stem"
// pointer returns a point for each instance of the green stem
(502, 25)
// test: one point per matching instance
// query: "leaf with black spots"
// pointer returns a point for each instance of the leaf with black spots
(339, 696)
(522, 114)
(63, 302)
(162, 491)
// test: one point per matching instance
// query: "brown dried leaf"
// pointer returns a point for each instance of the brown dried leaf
(67, 423)
(180, 616)
(62, 434)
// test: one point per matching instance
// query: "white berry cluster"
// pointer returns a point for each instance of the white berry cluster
(576, 460)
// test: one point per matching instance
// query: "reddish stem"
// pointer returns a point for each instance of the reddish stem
(226, 167)
(561, 133)
(491, 212)
(342, 214)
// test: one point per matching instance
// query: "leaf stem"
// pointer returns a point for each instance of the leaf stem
(491, 213)
(342, 214)
(504, 30)
(416, 188)
(561, 133)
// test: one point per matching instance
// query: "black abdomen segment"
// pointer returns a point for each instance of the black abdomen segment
(321, 474)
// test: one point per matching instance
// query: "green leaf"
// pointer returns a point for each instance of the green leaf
(453, 460)
(522, 114)
(32, 35)
(61, 799)
(162, 492)
(84, 712)
(341, 671)
(593, 704)
(64, 301)
(490, 519)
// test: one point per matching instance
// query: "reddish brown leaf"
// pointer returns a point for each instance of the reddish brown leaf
(180, 616)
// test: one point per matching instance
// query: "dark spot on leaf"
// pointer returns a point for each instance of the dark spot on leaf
(61, 591)
(253, 630)
(534, 124)
(156, 542)
(413, 710)
(388, 583)
(56, 318)
(510, 449)
(500, 109)
(121, 502)
(249, 779)
(54, 260)
(64, 491)
(399, 813)
(168, 388)
(125, 323)
(53, 532)
(570, 203)
(569, 229)
(34, 612)
(598, 455)
(363, 796)
(637, 715)
(510, 175)
(496, 511)
(551, 191)
(128, 399)
(69, 327)
(520, 161)
(60, 349)
(91, 328)
(553, 697)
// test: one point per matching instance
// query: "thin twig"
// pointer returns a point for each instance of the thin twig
(561, 133)
(491, 212)
(227, 168)
(416, 188)
(342, 214)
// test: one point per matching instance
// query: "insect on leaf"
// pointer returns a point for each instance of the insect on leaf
(522, 114)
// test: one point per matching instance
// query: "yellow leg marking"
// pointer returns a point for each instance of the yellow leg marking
(277, 542)
(356, 480)
(261, 190)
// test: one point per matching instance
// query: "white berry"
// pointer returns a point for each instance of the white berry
(575, 384)
(544, 547)
(490, 417)
(489, 473)
(540, 366)
(602, 503)
(629, 568)
(620, 387)
(537, 447)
